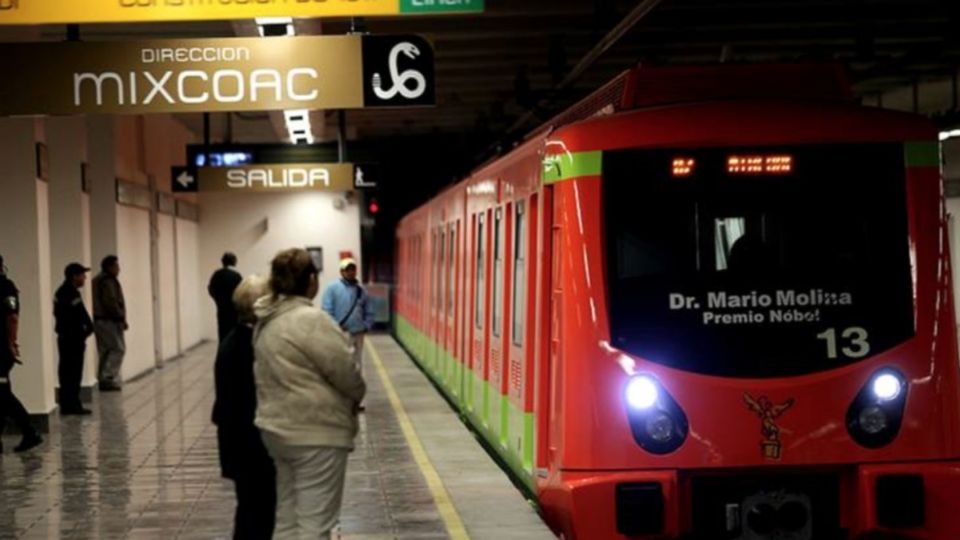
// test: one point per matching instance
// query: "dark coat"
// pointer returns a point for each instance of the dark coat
(222, 284)
(235, 407)
(73, 320)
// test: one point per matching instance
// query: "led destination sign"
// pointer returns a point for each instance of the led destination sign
(117, 11)
(235, 74)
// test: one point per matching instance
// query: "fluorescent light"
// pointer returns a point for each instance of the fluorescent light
(952, 134)
(298, 126)
(263, 22)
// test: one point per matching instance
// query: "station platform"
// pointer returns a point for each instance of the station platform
(145, 465)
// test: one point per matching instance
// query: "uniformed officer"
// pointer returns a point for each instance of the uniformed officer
(10, 406)
(74, 326)
(222, 284)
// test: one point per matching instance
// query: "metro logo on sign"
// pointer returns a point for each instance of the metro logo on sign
(398, 71)
(205, 75)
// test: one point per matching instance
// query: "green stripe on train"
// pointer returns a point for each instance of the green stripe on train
(559, 167)
(921, 154)
(511, 435)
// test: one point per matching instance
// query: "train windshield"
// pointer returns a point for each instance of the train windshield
(758, 262)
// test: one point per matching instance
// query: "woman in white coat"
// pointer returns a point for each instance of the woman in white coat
(308, 391)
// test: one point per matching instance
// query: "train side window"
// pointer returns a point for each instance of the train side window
(434, 271)
(451, 268)
(497, 271)
(519, 271)
(480, 278)
(441, 267)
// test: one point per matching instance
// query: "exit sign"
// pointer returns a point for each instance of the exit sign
(441, 6)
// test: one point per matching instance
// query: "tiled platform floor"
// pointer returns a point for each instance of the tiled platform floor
(145, 466)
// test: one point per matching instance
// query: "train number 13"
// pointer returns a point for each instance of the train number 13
(854, 344)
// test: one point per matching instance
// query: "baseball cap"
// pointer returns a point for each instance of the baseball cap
(74, 268)
(346, 263)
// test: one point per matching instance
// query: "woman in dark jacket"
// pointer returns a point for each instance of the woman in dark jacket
(243, 457)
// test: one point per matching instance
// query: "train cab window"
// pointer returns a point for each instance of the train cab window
(519, 272)
(497, 271)
(758, 270)
(479, 272)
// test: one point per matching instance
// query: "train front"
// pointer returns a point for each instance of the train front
(752, 331)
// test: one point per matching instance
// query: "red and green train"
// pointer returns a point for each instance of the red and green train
(706, 302)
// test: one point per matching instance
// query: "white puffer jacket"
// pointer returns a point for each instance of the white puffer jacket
(307, 385)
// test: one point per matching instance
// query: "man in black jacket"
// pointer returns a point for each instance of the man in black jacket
(222, 284)
(74, 326)
(10, 406)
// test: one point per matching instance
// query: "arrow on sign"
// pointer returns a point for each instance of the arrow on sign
(186, 180)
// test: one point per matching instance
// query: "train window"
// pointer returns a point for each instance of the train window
(434, 271)
(519, 272)
(441, 268)
(743, 275)
(727, 232)
(451, 266)
(479, 272)
(497, 271)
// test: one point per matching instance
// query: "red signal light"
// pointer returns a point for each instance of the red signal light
(374, 207)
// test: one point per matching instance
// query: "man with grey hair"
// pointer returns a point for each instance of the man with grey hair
(243, 457)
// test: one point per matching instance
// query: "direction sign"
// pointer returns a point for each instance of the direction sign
(221, 74)
(128, 11)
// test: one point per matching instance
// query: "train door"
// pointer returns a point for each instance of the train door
(520, 375)
(433, 343)
(499, 345)
(449, 295)
(480, 396)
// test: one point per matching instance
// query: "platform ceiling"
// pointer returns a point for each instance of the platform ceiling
(492, 68)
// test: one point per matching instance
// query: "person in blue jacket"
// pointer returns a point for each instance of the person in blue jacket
(346, 302)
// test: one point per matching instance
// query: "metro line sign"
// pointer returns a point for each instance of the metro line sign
(205, 75)
(22, 12)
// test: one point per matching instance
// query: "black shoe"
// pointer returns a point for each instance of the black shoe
(78, 411)
(361, 408)
(110, 387)
(29, 442)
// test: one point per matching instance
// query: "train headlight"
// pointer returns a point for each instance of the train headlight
(657, 422)
(886, 386)
(642, 392)
(874, 417)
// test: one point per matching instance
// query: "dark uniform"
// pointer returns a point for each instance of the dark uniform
(222, 284)
(10, 406)
(74, 326)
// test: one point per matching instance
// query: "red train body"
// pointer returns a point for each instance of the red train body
(584, 301)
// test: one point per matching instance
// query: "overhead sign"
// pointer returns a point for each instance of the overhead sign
(127, 11)
(210, 75)
(287, 177)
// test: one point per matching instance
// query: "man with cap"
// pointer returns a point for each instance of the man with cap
(222, 284)
(74, 326)
(346, 302)
(10, 406)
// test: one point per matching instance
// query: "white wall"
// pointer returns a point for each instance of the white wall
(91, 359)
(46, 294)
(133, 241)
(168, 287)
(256, 226)
(192, 289)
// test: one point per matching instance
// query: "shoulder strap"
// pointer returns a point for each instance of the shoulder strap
(356, 300)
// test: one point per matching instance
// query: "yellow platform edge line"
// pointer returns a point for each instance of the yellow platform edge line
(448, 512)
